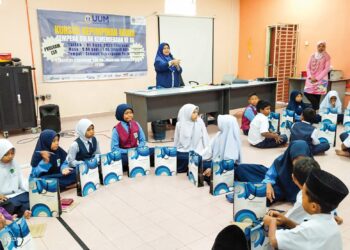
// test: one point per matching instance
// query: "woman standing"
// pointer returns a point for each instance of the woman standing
(317, 75)
(167, 68)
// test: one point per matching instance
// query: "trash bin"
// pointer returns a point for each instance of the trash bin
(159, 129)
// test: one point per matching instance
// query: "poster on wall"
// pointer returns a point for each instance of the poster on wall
(87, 46)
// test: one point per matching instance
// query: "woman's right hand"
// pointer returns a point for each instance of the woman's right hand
(175, 62)
(45, 155)
(270, 193)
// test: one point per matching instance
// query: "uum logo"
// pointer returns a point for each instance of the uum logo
(96, 19)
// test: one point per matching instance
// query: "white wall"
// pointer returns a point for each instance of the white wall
(91, 97)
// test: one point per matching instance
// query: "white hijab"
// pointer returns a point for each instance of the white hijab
(325, 104)
(82, 127)
(190, 135)
(11, 180)
(5, 146)
(226, 144)
(317, 54)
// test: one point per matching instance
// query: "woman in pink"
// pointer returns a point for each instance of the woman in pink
(317, 75)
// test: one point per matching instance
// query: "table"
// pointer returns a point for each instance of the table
(238, 94)
(162, 104)
(298, 83)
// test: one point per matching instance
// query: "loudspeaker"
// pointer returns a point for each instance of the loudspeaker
(50, 117)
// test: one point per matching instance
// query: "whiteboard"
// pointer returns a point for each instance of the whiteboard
(191, 41)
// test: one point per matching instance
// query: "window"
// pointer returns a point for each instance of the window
(180, 7)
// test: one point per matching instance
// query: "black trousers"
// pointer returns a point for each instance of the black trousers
(314, 99)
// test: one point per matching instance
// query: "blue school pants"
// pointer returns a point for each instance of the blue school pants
(256, 173)
(182, 162)
(320, 148)
(271, 143)
(63, 180)
(18, 204)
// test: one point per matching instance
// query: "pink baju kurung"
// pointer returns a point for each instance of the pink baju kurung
(318, 68)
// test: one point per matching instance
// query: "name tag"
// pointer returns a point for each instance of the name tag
(136, 135)
(58, 162)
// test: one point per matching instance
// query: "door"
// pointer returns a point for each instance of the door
(25, 97)
(281, 56)
(8, 103)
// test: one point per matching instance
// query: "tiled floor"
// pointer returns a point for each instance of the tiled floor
(155, 212)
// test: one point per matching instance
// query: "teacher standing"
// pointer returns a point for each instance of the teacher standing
(317, 75)
(167, 68)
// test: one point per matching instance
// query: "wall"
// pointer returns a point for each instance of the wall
(317, 19)
(81, 98)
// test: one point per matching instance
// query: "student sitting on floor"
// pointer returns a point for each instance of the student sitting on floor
(14, 197)
(226, 145)
(345, 146)
(127, 133)
(296, 104)
(86, 146)
(259, 135)
(332, 104)
(296, 215)
(249, 113)
(278, 178)
(321, 194)
(49, 160)
(190, 134)
(305, 131)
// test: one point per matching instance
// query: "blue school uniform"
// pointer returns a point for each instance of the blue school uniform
(297, 107)
(279, 174)
(82, 148)
(115, 143)
(167, 76)
(57, 162)
(306, 132)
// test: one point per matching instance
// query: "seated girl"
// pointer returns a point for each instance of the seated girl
(296, 104)
(127, 134)
(86, 146)
(226, 145)
(278, 178)
(14, 196)
(49, 160)
(332, 104)
(190, 134)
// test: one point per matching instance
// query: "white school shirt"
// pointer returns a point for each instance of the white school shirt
(297, 212)
(11, 180)
(321, 232)
(259, 125)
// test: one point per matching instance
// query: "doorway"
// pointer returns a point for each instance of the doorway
(281, 56)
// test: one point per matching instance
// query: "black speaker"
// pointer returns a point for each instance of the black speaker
(50, 117)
